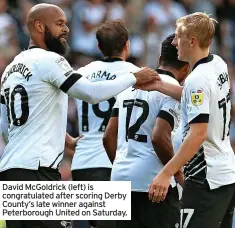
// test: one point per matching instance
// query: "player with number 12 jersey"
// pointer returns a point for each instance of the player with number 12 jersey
(136, 160)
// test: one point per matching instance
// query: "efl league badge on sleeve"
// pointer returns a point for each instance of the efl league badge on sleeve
(62, 62)
(197, 97)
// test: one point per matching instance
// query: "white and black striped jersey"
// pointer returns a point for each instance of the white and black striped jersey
(93, 119)
(137, 111)
(206, 99)
(33, 92)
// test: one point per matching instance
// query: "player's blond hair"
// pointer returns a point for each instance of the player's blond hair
(198, 25)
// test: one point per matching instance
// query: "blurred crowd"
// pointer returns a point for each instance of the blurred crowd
(148, 21)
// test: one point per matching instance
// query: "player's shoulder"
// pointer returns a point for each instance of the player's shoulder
(52, 56)
(130, 66)
(217, 59)
(116, 66)
(85, 70)
(48, 60)
(169, 79)
(158, 96)
(5, 72)
(127, 94)
(45, 57)
(207, 66)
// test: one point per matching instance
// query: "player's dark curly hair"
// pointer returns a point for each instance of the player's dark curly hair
(112, 37)
(169, 56)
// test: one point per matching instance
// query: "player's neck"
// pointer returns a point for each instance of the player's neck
(116, 57)
(37, 44)
(197, 55)
(169, 69)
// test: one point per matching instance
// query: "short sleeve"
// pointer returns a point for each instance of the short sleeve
(170, 111)
(196, 96)
(115, 110)
(55, 69)
(2, 97)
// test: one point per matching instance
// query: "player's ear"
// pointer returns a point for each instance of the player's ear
(193, 42)
(98, 46)
(39, 26)
(127, 45)
(186, 69)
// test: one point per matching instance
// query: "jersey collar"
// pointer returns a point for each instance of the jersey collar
(160, 71)
(207, 59)
(110, 59)
(33, 47)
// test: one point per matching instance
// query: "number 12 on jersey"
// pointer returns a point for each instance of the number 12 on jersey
(131, 132)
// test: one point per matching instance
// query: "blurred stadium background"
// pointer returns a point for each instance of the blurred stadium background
(148, 21)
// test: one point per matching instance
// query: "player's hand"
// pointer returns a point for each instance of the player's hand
(146, 75)
(159, 187)
(73, 142)
(151, 86)
(179, 177)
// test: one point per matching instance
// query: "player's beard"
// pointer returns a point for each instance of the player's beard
(54, 43)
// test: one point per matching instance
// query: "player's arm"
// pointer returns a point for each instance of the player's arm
(70, 145)
(198, 116)
(71, 142)
(59, 73)
(191, 144)
(161, 140)
(166, 120)
(110, 135)
(4, 120)
(172, 90)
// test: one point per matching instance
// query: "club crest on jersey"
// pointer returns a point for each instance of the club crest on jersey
(197, 97)
(63, 64)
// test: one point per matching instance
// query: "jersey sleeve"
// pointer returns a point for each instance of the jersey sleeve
(2, 97)
(84, 71)
(55, 69)
(170, 111)
(59, 73)
(196, 95)
(115, 110)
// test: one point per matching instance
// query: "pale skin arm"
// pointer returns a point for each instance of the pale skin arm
(174, 91)
(70, 143)
(192, 142)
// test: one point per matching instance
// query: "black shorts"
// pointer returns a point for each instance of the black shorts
(42, 174)
(145, 214)
(205, 208)
(93, 174)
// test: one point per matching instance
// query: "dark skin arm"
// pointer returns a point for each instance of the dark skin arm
(110, 138)
(162, 144)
